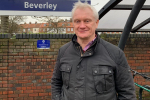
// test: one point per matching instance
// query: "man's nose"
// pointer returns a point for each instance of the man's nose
(82, 25)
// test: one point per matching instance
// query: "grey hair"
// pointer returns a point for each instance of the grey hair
(79, 4)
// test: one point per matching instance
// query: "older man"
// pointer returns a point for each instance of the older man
(89, 68)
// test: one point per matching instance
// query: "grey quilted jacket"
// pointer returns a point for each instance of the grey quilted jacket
(100, 73)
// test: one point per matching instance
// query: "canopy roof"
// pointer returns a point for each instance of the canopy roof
(116, 17)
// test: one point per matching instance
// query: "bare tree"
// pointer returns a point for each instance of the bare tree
(9, 24)
(14, 23)
(4, 24)
(54, 24)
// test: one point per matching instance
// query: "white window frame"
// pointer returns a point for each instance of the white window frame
(68, 29)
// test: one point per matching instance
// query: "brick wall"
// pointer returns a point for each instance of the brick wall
(25, 71)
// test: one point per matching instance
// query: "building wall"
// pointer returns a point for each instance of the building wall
(35, 30)
(25, 71)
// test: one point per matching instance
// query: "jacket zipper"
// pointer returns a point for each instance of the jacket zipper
(84, 96)
(80, 51)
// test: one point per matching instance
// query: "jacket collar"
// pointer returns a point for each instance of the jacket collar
(97, 40)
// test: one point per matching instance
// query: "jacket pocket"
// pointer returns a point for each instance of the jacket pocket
(65, 69)
(103, 78)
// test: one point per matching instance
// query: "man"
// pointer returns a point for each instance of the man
(89, 68)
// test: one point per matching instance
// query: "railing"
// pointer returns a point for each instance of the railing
(144, 87)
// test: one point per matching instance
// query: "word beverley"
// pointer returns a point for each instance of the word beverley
(41, 6)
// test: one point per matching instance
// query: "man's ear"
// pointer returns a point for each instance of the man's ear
(97, 22)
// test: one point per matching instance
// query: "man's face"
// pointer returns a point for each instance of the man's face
(84, 23)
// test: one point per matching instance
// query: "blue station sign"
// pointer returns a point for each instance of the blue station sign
(38, 5)
(43, 44)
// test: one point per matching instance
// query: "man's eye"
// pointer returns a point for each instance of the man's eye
(77, 21)
(87, 21)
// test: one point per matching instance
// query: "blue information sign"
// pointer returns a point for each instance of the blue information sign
(43, 44)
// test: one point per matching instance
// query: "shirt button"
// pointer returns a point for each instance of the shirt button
(89, 53)
(76, 89)
(78, 66)
(110, 71)
(68, 69)
(56, 95)
(95, 71)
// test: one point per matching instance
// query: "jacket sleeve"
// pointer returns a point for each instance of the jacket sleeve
(124, 80)
(56, 81)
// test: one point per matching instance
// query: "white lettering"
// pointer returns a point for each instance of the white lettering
(36, 5)
(44, 5)
(26, 4)
(54, 6)
(47, 5)
(50, 6)
(31, 5)
(40, 6)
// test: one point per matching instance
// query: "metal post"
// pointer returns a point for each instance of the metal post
(133, 15)
(140, 93)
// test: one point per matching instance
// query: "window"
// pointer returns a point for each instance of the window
(35, 29)
(24, 30)
(68, 24)
(43, 29)
(48, 29)
(68, 29)
(28, 29)
(71, 29)
(44, 24)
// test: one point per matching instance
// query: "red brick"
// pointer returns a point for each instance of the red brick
(43, 94)
(10, 99)
(34, 87)
(3, 68)
(38, 91)
(5, 85)
(33, 60)
(10, 78)
(5, 71)
(18, 88)
(23, 81)
(28, 60)
(23, 95)
(49, 93)
(18, 74)
(3, 82)
(18, 92)
(29, 98)
(10, 92)
(27, 91)
(28, 88)
(43, 87)
(33, 94)
(39, 87)
(12, 95)
(11, 64)
(24, 88)
(10, 71)
(23, 60)
(4, 78)
(38, 74)
(5, 92)
(3, 96)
